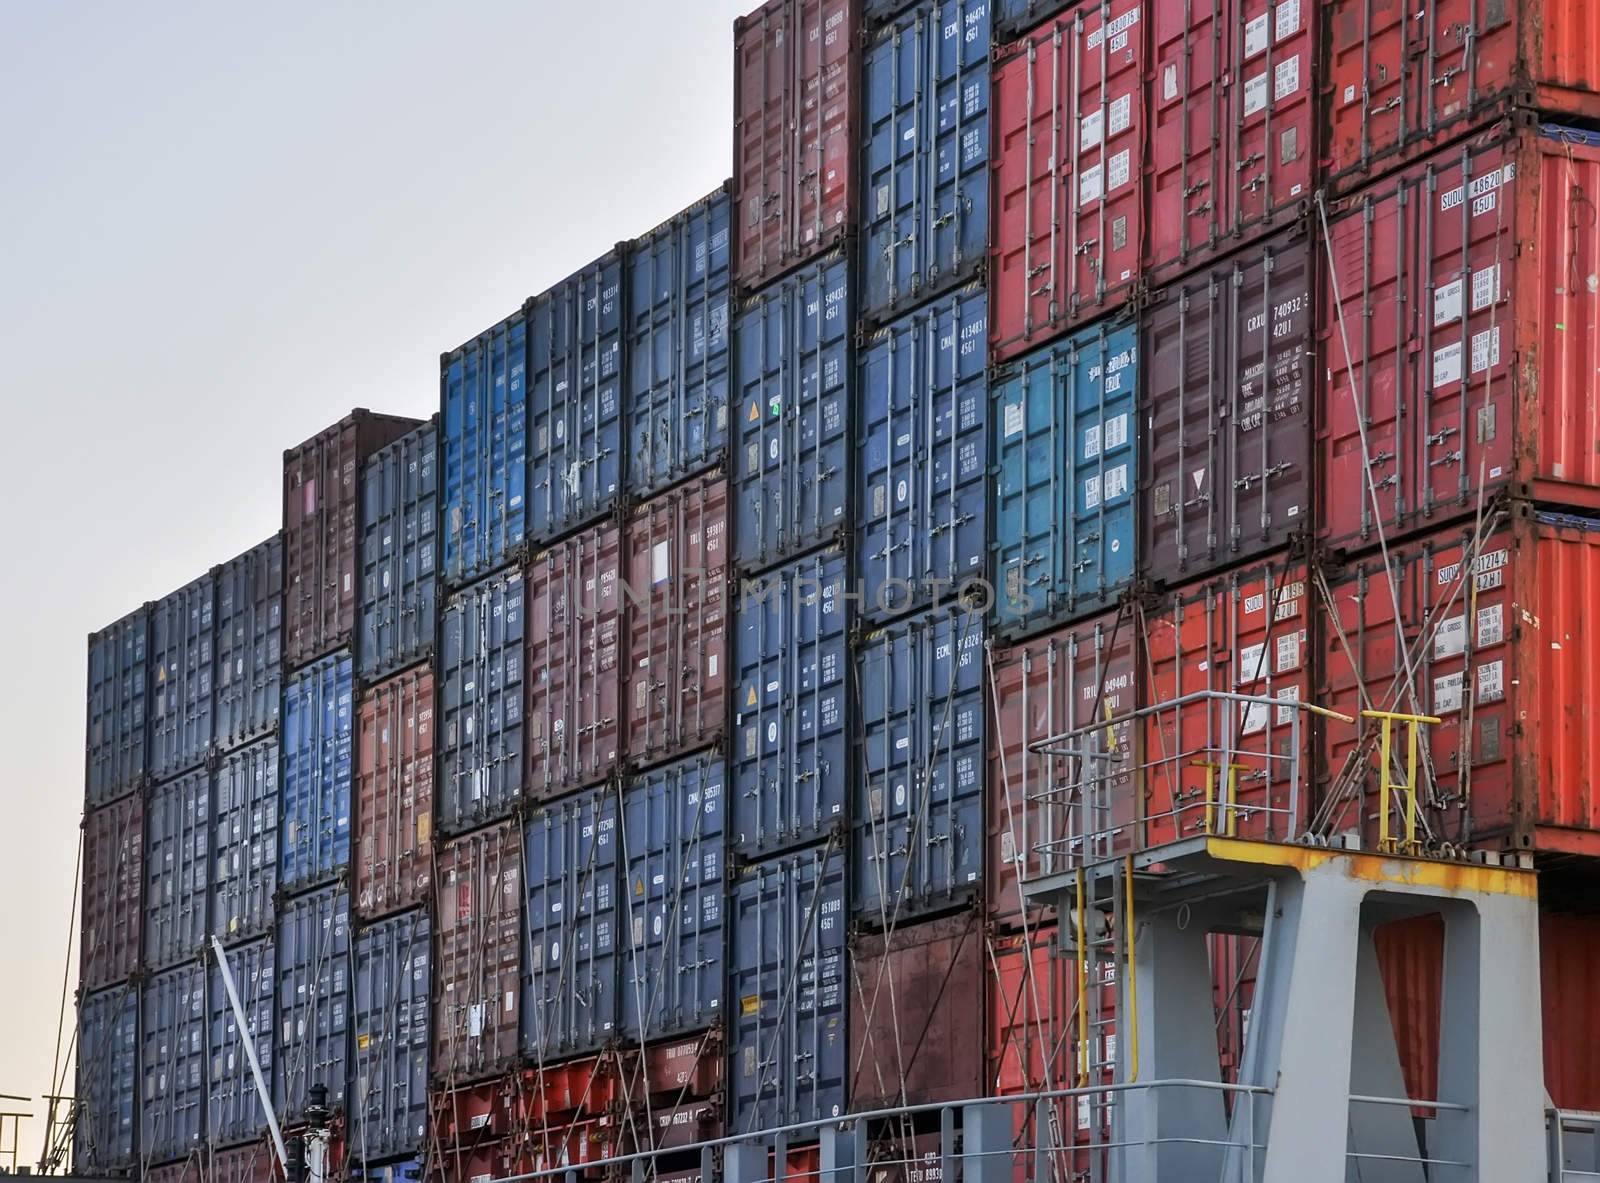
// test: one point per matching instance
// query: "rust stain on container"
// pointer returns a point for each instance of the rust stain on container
(113, 893)
(394, 787)
(478, 953)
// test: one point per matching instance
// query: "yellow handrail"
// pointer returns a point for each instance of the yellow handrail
(1131, 970)
(1386, 721)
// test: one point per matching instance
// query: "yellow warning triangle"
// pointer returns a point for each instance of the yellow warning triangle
(755, 412)
(638, 886)
(750, 698)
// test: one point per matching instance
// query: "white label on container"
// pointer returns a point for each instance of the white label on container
(1255, 94)
(1251, 665)
(711, 665)
(1169, 82)
(1480, 186)
(1288, 652)
(1116, 481)
(1491, 682)
(1350, 94)
(1485, 287)
(1121, 114)
(1491, 626)
(1091, 492)
(1089, 185)
(1119, 171)
(1447, 694)
(475, 1019)
(1091, 441)
(1091, 128)
(1451, 639)
(1287, 19)
(1289, 694)
(1485, 349)
(511, 1002)
(1255, 36)
(1013, 419)
(1447, 364)
(1447, 303)
(660, 564)
(1115, 30)
(1255, 718)
(1083, 1113)
(1116, 431)
(1111, 1047)
(1285, 78)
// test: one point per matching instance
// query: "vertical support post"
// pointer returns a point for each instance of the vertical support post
(986, 1143)
(743, 1162)
(836, 1154)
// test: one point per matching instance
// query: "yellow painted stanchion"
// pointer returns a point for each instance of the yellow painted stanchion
(1387, 842)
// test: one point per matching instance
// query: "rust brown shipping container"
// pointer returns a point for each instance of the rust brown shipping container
(795, 78)
(1404, 78)
(189, 1170)
(677, 589)
(322, 531)
(113, 893)
(1039, 688)
(477, 953)
(463, 1115)
(394, 794)
(911, 997)
(254, 1162)
(572, 725)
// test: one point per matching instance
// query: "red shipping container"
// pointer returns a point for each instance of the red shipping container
(1234, 963)
(677, 588)
(186, 1171)
(394, 791)
(795, 74)
(1405, 77)
(322, 532)
(588, 1086)
(677, 1070)
(1508, 658)
(475, 1114)
(113, 891)
(1041, 688)
(478, 953)
(1246, 632)
(1473, 336)
(675, 1127)
(255, 1162)
(476, 1163)
(574, 662)
(911, 1001)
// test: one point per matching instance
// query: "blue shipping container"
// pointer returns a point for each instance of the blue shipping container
(244, 844)
(172, 1064)
(249, 681)
(389, 1105)
(569, 953)
(925, 141)
(1065, 459)
(678, 294)
(104, 1134)
(119, 676)
(177, 870)
(575, 399)
(313, 1015)
(234, 1113)
(1013, 17)
(484, 398)
(788, 991)
(480, 762)
(399, 559)
(918, 809)
(318, 759)
(791, 451)
(673, 860)
(407, 1170)
(922, 516)
(182, 658)
(791, 745)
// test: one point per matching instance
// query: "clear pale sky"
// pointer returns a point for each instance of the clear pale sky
(221, 227)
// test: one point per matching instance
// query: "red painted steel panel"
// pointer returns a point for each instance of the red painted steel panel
(1041, 688)
(1508, 659)
(572, 722)
(1411, 963)
(1403, 78)
(1235, 961)
(687, 1068)
(1467, 298)
(796, 73)
(677, 590)
(113, 893)
(186, 1171)
(474, 1114)
(394, 788)
(912, 1037)
(1246, 632)
(251, 1163)
(478, 953)
(321, 531)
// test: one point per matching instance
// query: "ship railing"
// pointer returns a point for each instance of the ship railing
(1574, 1144)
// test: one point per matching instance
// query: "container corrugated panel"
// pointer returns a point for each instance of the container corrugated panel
(177, 869)
(1501, 645)
(318, 762)
(182, 660)
(477, 954)
(923, 509)
(105, 1131)
(185, 1170)
(234, 1113)
(407, 1170)
(1225, 411)
(113, 884)
(571, 972)
(1410, 955)
(1040, 688)
(1460, 338)
(172, 1063)
(249, 681)
(244, 881)
(254, 1163)
(1569, 968)
(388, 1110)
(913, 995)
(399, 553)
(1011, 17)
(795, 77)
(394, 795)
(1403, 79)
(678, 344)
(322, 531)
(574, 709)
(791, 744)
(925, 154)
(678, 586)
(313, 1007)
(918, 823)
(480, 703)
(788, 991)
(793, 417)
(483, 449)
(119, 677)
(673, 861)
(575, 363)
(1066, 450)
